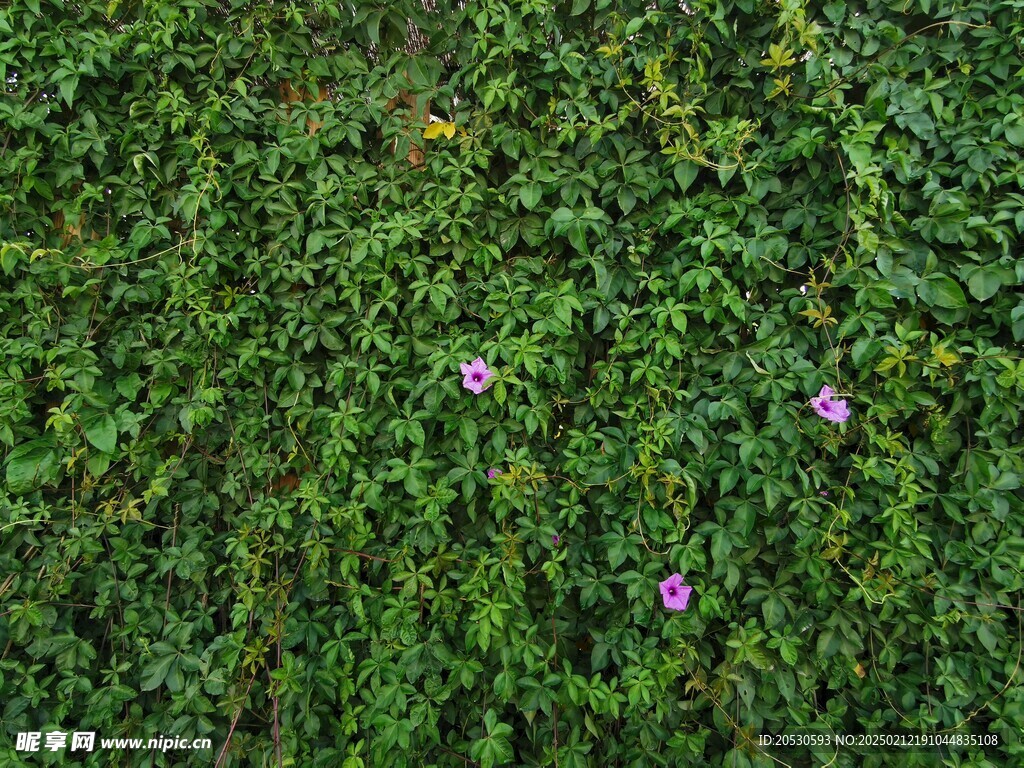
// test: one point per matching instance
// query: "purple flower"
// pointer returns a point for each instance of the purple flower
(475, 374)
(675, 594)
(493, 473)
(823, 493)
(556, 539)
(827, 408)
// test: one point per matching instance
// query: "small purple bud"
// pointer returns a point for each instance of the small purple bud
(556, 539)
(823, 493)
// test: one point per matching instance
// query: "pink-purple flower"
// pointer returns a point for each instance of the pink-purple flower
(475, 374)
(556, 539)
(827, 408)
(493, 473)
(674, 593)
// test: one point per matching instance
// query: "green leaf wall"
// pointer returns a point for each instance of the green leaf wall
(243, 490)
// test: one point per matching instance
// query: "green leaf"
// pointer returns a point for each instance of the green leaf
(788, 652)
(773, 610)
(30, 465)
(685, 172)
(984, 284)
(728, 479)
(154, 672)
(749, 450)
(578, 237)
(468, 431)
(626, 199)
(919, 123)
(67, 89)
(424, 71)
(9, 257)
(941, 291)
(864, 349)
(1015, 133)
(530, 195)
(101, 430)
(415, 433)
(128, 386)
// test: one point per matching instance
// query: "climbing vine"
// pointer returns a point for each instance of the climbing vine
(511, 383)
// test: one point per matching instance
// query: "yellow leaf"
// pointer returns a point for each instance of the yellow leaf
(860, 671)
(778, 57)
(436, 129)
(757, 367)
(832, 553)
(781, 86)
(945, 358)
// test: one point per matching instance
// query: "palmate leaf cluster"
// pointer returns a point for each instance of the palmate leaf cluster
(244, 492)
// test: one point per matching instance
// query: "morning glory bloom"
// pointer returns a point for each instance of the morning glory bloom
(674, 593)
(556, 539)
(493, 473)
(475, 374)
(827, 408)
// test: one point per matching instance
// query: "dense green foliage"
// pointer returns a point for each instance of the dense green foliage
(244, 490)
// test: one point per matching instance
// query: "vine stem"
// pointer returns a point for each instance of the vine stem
(234, 722)
(640, 528)
(736, 727)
